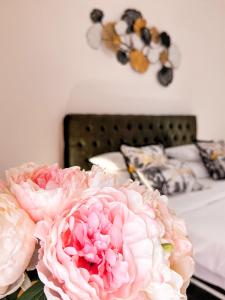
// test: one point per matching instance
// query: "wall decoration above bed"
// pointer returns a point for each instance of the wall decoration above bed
(134, 41)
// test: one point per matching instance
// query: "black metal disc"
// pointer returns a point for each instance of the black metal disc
(146, 36)
(165, 76)
(122, 57)
(96, 15)
(130, 16)
(165, 39)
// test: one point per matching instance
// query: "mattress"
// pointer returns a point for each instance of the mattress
(204, 213)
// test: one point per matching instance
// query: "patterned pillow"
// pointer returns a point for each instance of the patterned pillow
(151, 167)
(170, 178)
(213, 157)
(140, 157)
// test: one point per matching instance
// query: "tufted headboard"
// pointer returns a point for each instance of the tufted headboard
(86, 135)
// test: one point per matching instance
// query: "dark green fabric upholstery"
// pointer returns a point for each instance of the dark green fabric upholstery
(86, 135)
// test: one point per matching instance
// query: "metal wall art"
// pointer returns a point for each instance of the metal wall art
(134, 42)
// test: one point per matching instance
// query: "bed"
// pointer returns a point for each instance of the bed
(87, 135)
(208, 206)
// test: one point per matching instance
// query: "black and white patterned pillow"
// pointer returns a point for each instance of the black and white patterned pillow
(169, 176)
(213, 157)
(140, 157)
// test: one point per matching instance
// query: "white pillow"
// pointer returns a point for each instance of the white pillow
(184, 153)
(110, 161)
(122, 176)
(198, 168)
(114, 163)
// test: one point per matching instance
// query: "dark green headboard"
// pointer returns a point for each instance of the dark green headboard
(86, 135)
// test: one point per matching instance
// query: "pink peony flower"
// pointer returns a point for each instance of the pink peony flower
(181, 254)
(45, 191)
(17, 243)
(3, 187)
(107, 246)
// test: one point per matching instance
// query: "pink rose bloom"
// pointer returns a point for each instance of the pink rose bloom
(45, 191)
(181, 256)
(17, 244)
(108, 246)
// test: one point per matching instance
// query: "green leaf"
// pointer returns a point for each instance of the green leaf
(167, 247)
(35, 292)
(12, 296)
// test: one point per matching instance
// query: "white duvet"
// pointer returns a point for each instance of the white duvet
(204, 213)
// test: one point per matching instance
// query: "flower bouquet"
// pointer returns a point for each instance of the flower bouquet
(69, 234)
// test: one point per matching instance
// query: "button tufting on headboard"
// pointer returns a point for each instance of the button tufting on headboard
(89, 135)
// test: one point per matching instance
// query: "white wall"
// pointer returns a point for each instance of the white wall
(48, 70)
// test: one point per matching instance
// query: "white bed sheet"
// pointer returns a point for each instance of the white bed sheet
(204, 213)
